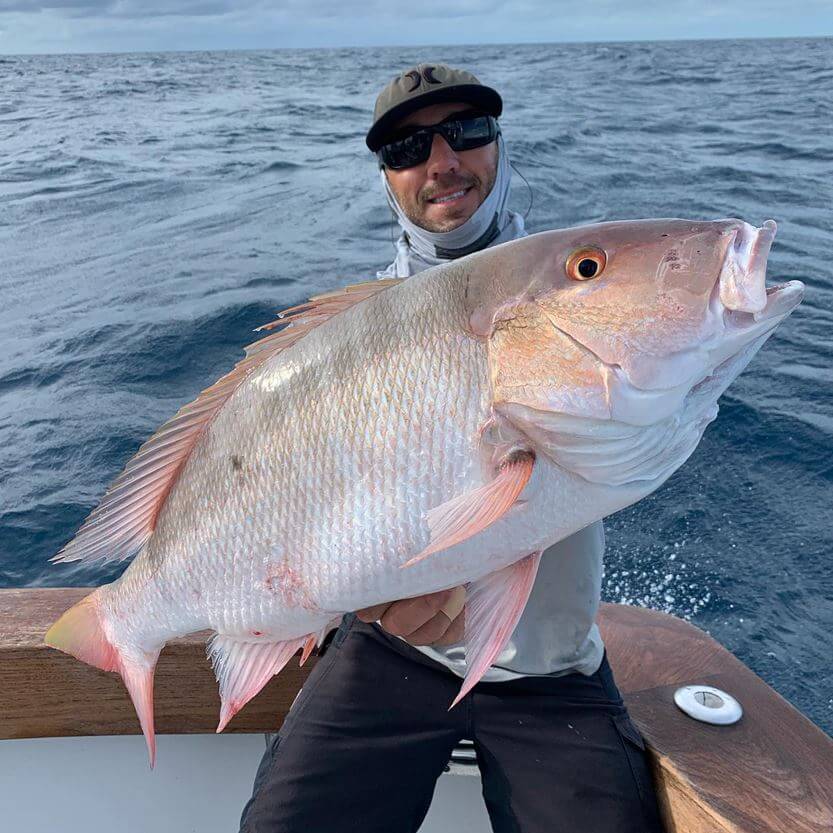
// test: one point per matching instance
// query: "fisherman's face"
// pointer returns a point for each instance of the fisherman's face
(445, 190)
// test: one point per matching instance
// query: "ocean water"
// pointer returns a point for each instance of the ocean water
(155, 208)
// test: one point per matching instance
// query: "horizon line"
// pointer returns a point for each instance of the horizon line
(408, 46)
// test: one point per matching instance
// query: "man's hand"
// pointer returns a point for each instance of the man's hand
(434, 619)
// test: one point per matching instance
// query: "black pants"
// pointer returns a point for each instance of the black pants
(370, 733)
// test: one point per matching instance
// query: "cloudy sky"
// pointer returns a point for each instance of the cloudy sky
(28, 26)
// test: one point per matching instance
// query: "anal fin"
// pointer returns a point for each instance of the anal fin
(243, 668)
(494, 605)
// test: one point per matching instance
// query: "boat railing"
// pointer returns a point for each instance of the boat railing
(771, 772)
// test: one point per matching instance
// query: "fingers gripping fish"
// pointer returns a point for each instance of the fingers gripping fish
(397, 438)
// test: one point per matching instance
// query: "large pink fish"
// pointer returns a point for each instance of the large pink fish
(397, 438)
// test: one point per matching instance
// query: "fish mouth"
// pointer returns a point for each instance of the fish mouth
(780, 300)
(741, 284)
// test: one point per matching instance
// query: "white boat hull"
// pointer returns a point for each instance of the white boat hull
(200, 785)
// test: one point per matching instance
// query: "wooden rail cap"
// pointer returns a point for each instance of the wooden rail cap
(46, 693)
(770, 773)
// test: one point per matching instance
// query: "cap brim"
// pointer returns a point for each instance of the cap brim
(484, 98)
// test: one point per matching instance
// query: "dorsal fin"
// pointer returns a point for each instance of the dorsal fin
(125, 519)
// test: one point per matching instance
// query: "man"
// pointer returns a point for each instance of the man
(370, 733)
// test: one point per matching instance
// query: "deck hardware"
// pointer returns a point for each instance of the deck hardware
(708, 704)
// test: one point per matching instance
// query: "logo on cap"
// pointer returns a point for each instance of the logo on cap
(417, 77)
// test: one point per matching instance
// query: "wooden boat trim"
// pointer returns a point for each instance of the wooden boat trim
(703, 782)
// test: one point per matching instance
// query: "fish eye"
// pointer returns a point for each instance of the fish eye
(585, 263)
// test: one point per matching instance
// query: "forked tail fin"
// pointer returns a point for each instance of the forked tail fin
(79, 632)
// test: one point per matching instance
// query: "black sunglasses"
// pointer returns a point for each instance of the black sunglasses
(461, 134)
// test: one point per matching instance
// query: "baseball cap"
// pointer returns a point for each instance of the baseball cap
(427, 84)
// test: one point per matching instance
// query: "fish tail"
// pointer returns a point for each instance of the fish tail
(80, 633)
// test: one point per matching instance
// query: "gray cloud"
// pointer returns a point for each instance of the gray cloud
(123, 8)
(135, 25)
(289, 8)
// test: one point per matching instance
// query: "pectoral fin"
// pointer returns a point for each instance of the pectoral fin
(494, 605)
(462, 517)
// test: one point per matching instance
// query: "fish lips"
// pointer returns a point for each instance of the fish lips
(780, 300)
(742, 279)
(741, 284)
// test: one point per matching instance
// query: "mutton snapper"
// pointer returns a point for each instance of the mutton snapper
(398, 438)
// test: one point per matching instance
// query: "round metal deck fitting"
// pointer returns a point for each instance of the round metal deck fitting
(708, 704)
